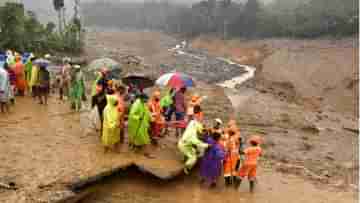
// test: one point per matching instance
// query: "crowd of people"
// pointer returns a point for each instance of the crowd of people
(28, 75)
(219, 149)
(128, 110)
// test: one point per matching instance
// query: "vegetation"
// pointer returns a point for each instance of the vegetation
(20, 30)
(252, 18)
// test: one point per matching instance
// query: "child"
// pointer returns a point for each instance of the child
(248, 169)
(111, 126)
(232, 143)
(211, 163)
(190, 145)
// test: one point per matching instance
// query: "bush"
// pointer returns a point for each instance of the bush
(21, 31)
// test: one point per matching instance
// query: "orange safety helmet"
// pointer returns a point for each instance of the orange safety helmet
(195, 98)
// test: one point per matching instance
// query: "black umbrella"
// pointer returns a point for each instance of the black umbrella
(138, 80)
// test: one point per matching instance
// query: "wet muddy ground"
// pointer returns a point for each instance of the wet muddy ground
(135, 187)
(45, 148)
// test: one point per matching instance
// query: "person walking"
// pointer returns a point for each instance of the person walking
(44, 84)
(111, 125)
(5, 90)
(190, 145)
(77, 89)
(211, 162)
(19, 70)
(65, 78)
(249, 168)
(139, 125)
(157, 119)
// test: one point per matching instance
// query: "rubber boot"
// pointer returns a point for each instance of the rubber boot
(252, 185)
(227, 181)
(237, 182)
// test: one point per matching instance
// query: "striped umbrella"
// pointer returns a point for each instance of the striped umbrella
(175, 80)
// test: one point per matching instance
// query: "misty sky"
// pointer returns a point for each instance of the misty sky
(45, 11)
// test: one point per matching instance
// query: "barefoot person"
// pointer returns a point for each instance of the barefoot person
(248, 169)
(139, 124)
(190, 144)
(111, 125)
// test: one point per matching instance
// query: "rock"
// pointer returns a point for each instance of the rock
(330, 157)
(352, 127)
(326, 173)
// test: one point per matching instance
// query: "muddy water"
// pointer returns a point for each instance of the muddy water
(135, 187)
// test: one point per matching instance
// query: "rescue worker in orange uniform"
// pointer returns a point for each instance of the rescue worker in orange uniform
(232, 143)
(157, 119)
(195, 101)
(248, 169)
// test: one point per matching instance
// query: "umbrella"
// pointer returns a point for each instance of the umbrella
(98, 64)
(115, 74)
(175, 80)
(42, 62)
(139, 80)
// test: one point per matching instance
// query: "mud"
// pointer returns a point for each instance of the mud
(46, 149)
(136, 187)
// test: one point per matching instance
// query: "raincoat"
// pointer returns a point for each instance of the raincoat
(34, 80)
(28, 71)
(4, 86)
(111, 124)
(190, 145)
(20, 76)
(77, 89)
(167, 100)
(139, 124)
(211, 162)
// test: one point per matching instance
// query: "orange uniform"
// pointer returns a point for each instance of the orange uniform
(157, 120)
(231, 143)
(249, 167)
